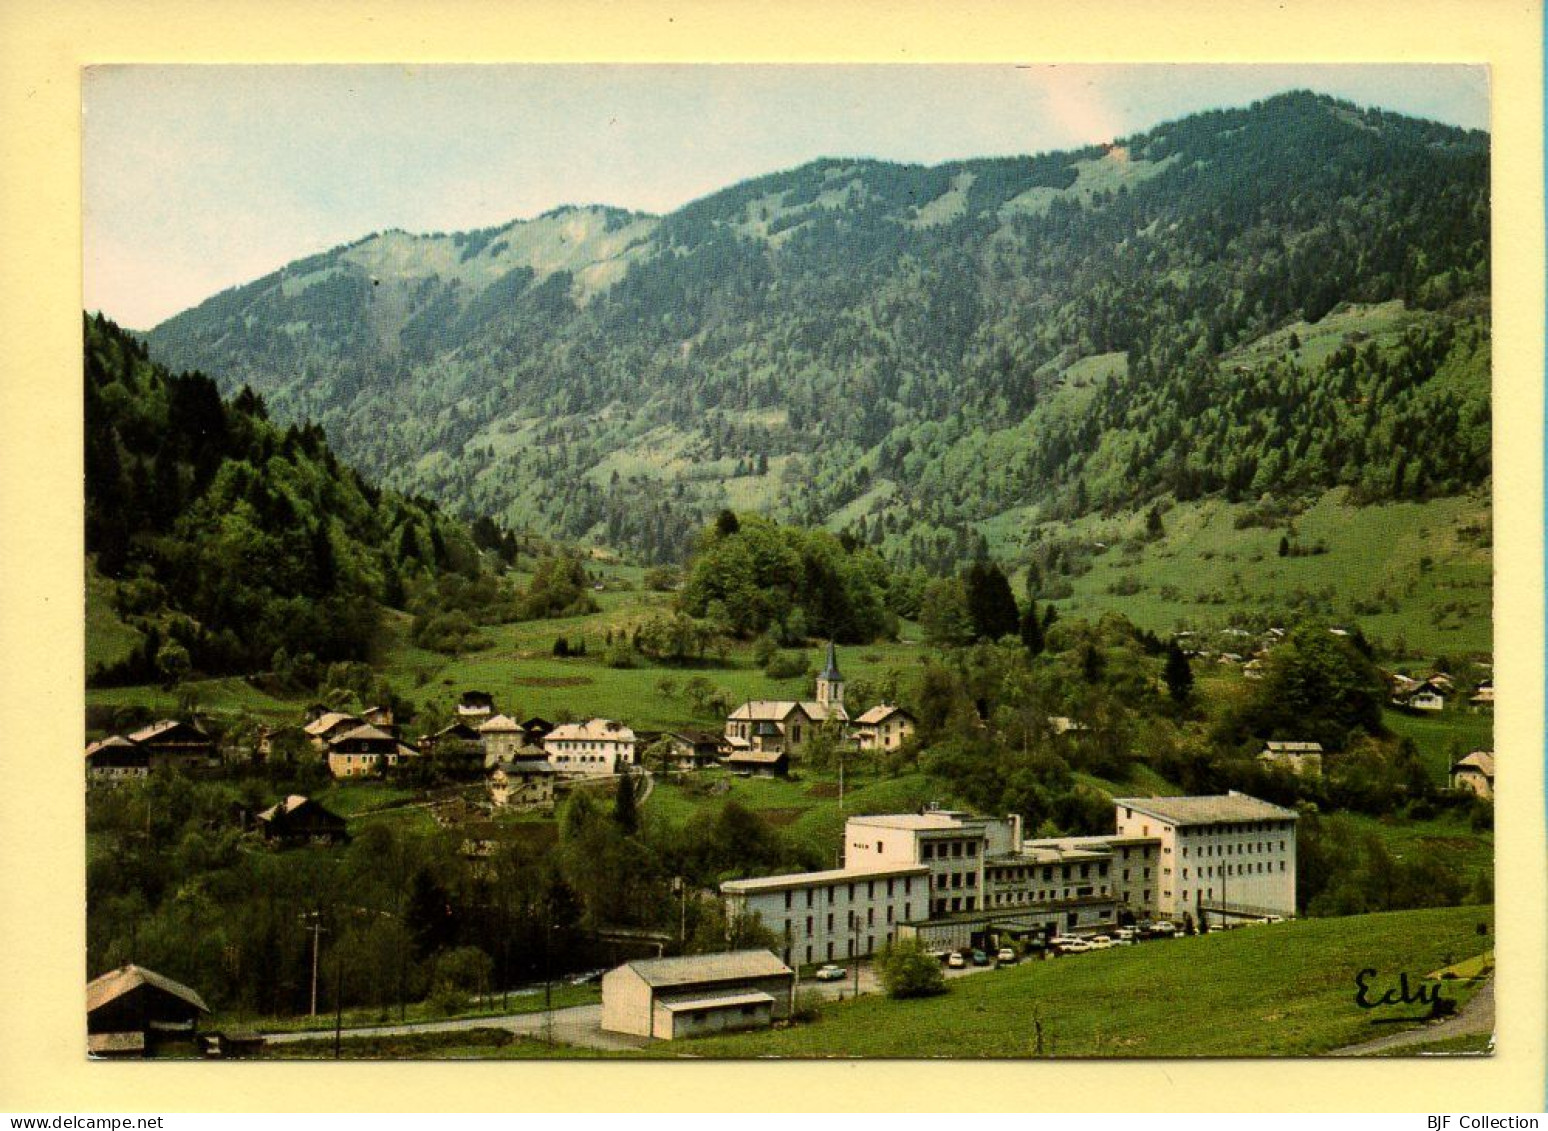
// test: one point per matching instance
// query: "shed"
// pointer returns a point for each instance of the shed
(669, 998)
(135, 1002)
(298, 819)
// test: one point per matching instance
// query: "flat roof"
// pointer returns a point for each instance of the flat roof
(917, 821)
(816, 879)
(1215, 810)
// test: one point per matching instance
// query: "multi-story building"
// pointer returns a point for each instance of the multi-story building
(883, 727)
(950, 879)
(597, 747)
(843, 913)
(1233, 856)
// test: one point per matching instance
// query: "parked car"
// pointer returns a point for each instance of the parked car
(1165, 928)
(1062, 940)
(830, 973)
(1075, 946)
(980, 958)
(955, 960)
(1099, 942)
(1125, 934)
(1006, 957)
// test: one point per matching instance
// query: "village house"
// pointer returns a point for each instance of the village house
(300, 820)
(502, 738)
(1482, 700)
(329, 725)
(884, 727)
(536, 729)
(364, 751)
(694, 749)
(170, 743)
(1302, 758)
(115, 760)
(692, 995)
(594, 748)
(458, 736)
(1475, 773)
(523, 784)
(130, 1010)
(475, 706)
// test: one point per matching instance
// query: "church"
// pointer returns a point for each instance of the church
(763, 734)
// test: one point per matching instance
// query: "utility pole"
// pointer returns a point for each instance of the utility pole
(548, 981)
(316, 928)
(338, 999)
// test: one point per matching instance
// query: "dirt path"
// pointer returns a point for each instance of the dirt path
(1477, 1016)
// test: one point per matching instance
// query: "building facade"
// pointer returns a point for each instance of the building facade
(590, 749)
(834, 915)
(1233, 856)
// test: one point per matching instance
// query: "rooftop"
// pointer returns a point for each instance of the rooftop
(831, 876)
(592, 730)
(1215, 810)
(915, 821)
(115, 983)
(692, 969)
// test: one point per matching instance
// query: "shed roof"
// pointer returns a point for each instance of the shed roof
(1293, 747)
(693, 969)
(678, 1003)
(1214, 810)
(881, 713)
(363, 731)
(116, 983)
(749, 757)
(164, 727)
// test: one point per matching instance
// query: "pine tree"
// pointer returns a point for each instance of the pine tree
(1032, 631)
(1178, 674)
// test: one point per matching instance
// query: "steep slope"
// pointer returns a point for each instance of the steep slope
(918, 349)
(219, 539)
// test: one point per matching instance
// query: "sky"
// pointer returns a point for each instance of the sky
(198, 178)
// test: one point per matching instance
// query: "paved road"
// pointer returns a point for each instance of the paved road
(576, 1025)
(581, 1025)
(1477, 1016)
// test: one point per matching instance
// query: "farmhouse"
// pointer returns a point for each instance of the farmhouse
(364, 750)
(328, 725)
(475, 706)
(671, 998)
(300, 820)
(692, 749)
(593, 748)
(523, 784)
(114, 760)
(1475, 773)
(1301, 758)
(168, 743)
(131, 1009)
(883, 727)
(1483, 698)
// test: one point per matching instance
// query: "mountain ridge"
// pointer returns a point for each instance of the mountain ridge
(787, 342)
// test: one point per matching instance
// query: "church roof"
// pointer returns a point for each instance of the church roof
(830, 670)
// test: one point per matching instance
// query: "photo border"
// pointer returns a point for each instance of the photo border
(42, 921)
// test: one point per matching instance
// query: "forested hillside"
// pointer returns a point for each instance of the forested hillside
(221, 539)
(1274, 300)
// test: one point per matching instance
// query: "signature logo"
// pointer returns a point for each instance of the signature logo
(1370, 993)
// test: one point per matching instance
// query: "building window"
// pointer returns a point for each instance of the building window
(929, 851)
(787, 900)
(889, 889)
(972, 848)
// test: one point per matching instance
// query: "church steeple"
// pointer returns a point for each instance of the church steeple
(830, 684)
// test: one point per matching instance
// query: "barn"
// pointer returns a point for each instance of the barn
(697, 994)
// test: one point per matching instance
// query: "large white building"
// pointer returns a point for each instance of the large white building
(596, 747)
(949, 879)
(1232, 855)
(842, 913)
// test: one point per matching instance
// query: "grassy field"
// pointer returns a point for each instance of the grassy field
(1417, 573)
(1280, 990)
(1454, 840)
(467, 1044)
(1443, 736)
